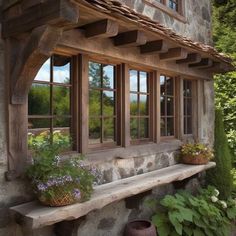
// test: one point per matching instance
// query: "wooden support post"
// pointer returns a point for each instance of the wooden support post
(103, 28)
(125, 106)
(157, 109)
(130, 39)
(191, 58)
(83, 103)
(54, 12)
(174, 54)
(158, 46)
(204, 63)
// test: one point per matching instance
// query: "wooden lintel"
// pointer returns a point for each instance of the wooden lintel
(54, 12)
(204, 63)
(130, 39)
(157, 46)
(29, 60)
(191, 58)
(174, 54)
(103, 28)
(30, 3)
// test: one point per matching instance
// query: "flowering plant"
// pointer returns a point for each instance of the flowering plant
(196, 149)
(54, 178)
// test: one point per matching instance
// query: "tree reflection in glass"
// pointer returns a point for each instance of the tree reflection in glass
(102, 107)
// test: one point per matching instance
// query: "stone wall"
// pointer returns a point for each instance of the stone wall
(197, 16)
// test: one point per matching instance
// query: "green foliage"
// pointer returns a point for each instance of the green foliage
(49, 172)
(187, 215)
(224, 37)
(195, 149)
(220, 176)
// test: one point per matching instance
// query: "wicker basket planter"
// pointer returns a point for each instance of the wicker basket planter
(61, 196)
(194, 160)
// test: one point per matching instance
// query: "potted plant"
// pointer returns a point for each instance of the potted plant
(55, 181)
(195, 153)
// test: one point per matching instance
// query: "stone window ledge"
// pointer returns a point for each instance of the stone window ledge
(32, 215)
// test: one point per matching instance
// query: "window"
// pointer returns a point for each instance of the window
(139, 105)
(188, 106)
(174, 4)
(49, 101)
(102, 103)
(167, 101)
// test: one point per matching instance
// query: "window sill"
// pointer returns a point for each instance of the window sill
(166, 10)
(33, 215)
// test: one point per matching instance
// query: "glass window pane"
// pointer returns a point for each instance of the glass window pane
(170, 106)
(62, 123)
(187, 88)
(108, 103)
(134, 128)
(163, 127)
(169, 86)
(44, 72)
(170, 126)
(143, 104)
(133, 80)
(189, 125)
(61, 100)
(94, 130)
(61, 69)
(108, 76)
(133, 104)
(94, 74)
(162, 84)
(163, 108)
(185, 125)
(143, 82)
(189, 107)
(94, 102)
(39, 100)
(38, 125)
(143, 127)
(109, 130)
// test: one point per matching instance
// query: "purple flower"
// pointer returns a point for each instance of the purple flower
(41, 187)
(77, 193)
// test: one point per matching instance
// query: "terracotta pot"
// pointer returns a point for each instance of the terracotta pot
(140, 228)
(194, 160)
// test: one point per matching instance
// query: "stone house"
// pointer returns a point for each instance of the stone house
(136, 79)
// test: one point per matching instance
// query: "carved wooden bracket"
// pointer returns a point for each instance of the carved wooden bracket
(31, 33)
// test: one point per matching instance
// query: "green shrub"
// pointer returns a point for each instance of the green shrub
(220, 176)
(188, 215)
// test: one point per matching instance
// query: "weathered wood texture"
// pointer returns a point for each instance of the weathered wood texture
(33, 215)
(104, 28)
(54, 12)
(191, 58)
(158, 46)
(130, 39)
(174, 54)
(204, 63)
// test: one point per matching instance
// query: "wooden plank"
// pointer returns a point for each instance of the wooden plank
(103, 28)
(174, 54)
(191, 58)
(204, 63)
(157, 46)
(25, 4)
(125, 106)
(75, 40)
(54, 12)
(130, 39)
(34, 215)
(84, 101)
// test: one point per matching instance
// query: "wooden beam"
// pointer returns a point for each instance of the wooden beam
(130, 39)
(35, 52)
(204, 63)
(174, 54)
(103, 28)
(158, 46)
(54, 12)
(191, 58)
(30, 3)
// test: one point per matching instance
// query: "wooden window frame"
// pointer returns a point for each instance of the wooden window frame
(51, 116)
(164, 6)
